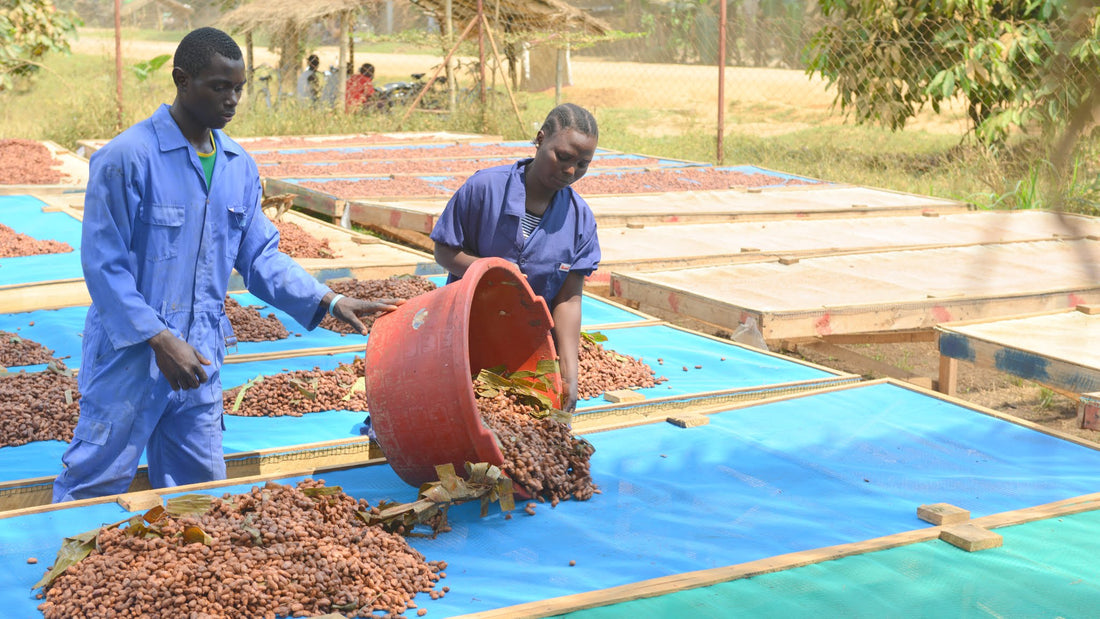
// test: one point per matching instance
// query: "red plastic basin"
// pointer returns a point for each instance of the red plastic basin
(422, 357)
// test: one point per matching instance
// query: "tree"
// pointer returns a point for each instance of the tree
(30, 29)
(1015, 63)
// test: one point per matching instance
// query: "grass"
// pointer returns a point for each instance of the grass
(74, 99)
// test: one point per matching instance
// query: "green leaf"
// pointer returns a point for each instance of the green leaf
(73, 550)
(595, 337)
(948, 84)
(244, 389)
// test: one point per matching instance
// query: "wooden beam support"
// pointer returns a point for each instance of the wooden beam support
(1088, 411)
(949, 376)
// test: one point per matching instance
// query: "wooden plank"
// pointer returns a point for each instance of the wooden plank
(35, 495)
(307, 199)
(866, 293)
(1088, 411)
(942, 513)
(1062, 374)
(409, 237)
(140, 501)
(971, 537)
(689, 421)
(43, 295)
(616, 396)
(949, 376)
(376, 213)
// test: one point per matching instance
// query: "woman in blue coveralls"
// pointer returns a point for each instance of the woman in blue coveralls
(527, 213)
(172, 207)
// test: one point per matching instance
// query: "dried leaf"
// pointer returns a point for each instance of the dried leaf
(155, 514)
(246, 526)
(322, 491)
(189, 504)
(307, 389)
(195, 535)
(360, 384)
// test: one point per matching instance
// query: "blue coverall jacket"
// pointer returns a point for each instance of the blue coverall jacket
(158, 247)
(483, 218)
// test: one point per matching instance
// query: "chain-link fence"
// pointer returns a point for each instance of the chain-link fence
(657, 62)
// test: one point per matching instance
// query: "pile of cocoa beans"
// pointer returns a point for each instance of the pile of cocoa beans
(14, 244)
(297, 243)
(294, 394)
(600, 370)
(273, 551)
(250, 326)
(540, 455)
(399, 287)
(16, 350)
(37, 406)
(27, 162)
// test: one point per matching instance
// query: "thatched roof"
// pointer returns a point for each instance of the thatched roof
(518, 15)
(521, 15)
(274, 15)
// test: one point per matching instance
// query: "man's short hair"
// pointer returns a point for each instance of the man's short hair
(197, 49)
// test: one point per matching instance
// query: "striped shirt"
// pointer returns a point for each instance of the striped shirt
(529, 222)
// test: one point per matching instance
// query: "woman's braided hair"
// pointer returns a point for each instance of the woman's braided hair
(570, 116)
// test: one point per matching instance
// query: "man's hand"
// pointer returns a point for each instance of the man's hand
(349, 309)
(180, 363)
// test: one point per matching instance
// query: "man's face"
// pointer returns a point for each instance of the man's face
(211, 97)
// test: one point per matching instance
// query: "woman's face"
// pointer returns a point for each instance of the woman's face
(562, 158)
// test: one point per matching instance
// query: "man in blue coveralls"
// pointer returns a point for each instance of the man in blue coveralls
(172, 207)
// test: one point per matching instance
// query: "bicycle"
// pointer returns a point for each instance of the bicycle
(262, 76)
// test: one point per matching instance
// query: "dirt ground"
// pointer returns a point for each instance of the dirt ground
(756, 98)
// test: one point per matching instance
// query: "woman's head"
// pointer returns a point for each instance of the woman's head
(570, 116)
(564, 147)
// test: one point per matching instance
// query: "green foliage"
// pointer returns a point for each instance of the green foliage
(146, 68)
(30, 29)
(1015, 63)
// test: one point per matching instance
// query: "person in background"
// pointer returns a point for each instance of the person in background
(310, 82)
(527, 213)
(172, 207)
(360, 88)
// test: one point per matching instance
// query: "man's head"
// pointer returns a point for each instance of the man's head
(367, 69)
(196, 50)
(209, 75)
(313, 61)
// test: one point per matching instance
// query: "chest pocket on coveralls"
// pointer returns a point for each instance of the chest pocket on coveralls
(165, 226)
(238, 221)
